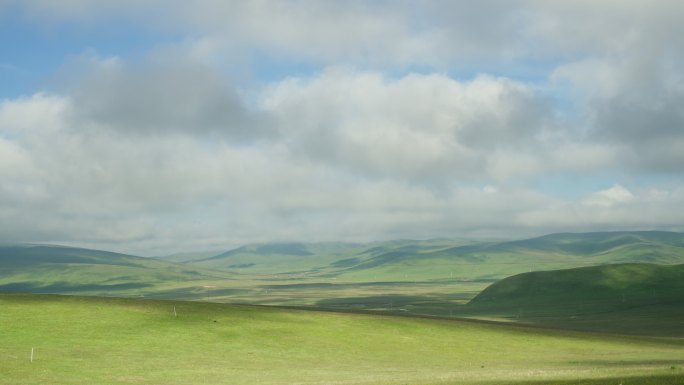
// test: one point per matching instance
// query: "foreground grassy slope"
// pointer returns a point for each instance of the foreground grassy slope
(58, 269)
(629, 298)
(80, 340)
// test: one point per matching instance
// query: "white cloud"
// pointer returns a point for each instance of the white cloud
(415, 127)
(615, 195)
(27, 115)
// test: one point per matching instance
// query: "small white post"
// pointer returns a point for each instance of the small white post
(174, 312)
(31, 354)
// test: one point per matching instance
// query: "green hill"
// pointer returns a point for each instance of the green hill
(69, 270)
(87, 340)
(633, 298)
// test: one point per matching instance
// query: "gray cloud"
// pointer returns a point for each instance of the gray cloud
(633, 101)
(163, 95)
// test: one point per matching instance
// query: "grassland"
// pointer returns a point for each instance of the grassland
(87, 340)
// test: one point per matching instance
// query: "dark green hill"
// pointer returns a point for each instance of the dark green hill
(621, 298)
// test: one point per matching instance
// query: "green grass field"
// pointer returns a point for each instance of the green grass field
(86, 340)
(89, 340)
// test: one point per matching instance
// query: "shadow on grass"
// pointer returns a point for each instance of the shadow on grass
(675, 378)
(676, 364)
(387, 301)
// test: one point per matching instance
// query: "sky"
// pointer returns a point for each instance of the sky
(153, 127)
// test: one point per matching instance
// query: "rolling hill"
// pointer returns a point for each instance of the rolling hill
(630, 298)
(445, 259)
(420, 277)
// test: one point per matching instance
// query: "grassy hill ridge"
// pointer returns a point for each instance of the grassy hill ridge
(633, 298)
(587, 283)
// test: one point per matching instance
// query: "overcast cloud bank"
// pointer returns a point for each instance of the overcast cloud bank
(398, 119)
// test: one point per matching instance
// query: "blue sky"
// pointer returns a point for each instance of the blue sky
(33, 53)
(159, 126)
